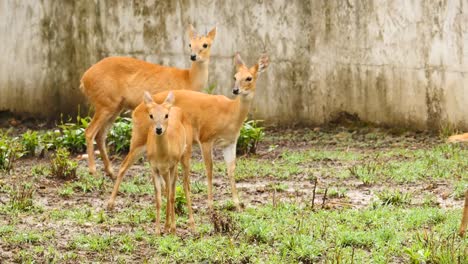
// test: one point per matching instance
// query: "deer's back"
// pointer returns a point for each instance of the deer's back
(123, 80)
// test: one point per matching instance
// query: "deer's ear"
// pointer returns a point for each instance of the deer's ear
(170, 99)
(261, 65)
(238, 61)
(147, 98)
(191, 32)
(212, 34)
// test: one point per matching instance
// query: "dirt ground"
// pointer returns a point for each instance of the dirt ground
(319, 181)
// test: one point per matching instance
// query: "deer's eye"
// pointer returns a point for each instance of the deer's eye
(190, 45)
(151, 116)
(167, 116)
(248, 79)
(234, 78)
(205, 46)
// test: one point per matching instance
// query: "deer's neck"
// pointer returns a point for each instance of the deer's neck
(242, 106)
(198, 75)
(162, 144)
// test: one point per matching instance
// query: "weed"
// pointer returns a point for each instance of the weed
(88, 183)
(430, 248)
(430, 200)
(180, 200)
(447, 129)
(336, 193)
(210, 89)
(21, 197)
(366, 172)
(61, 166)
(30, 141)
(222, 222)
(40, 170)
(66, 191)
(394, 197)
(199, 187)
(459, 189)
(250, 135)
(10, 150)
(120, 135)
(72, 136)
(278, 187)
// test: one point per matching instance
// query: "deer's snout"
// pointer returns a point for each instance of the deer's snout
(159, 130)
(235, 90)
(193, 57)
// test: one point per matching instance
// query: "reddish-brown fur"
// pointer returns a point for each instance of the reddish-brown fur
(458, 138)
(168, 142)
(214, 119)
(117, 83)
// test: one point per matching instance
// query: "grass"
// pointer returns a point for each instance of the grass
(414, 182)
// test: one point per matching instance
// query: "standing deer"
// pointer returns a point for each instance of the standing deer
(117, 83)
(214, 119)
(168, 137)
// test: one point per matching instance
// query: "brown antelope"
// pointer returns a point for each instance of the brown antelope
(458, 138)
(214, 119)
(168, 137)
(117, 83)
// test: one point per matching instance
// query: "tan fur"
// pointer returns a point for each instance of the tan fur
(464, 221)
(214, 119)
(117, 83)
(458, 138)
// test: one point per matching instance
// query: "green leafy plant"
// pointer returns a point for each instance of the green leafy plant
(21, 197)
(30, 141)
(120, 135)
(10, 150)
(394, 197)
(210, 89)
(61, 166)
(250, 135)
(180, 200)
(72, 135)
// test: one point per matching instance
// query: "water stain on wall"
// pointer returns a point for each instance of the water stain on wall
(390, 62)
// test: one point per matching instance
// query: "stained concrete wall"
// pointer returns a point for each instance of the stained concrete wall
(394, 62)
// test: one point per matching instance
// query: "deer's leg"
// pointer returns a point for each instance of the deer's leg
(137, 147)
(464, 221)
(99, 119)
(172, 185)
(187, 191)
(157, 193)
(207, 152)
(166, 176)
(229, 154)
(101, 144)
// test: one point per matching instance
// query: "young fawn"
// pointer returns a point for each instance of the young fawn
(117, 83)
(165, 147)
(214, 119)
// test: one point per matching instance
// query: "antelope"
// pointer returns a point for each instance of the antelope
(214, 119)
(166, 144)
(117, 83)
(458, 138)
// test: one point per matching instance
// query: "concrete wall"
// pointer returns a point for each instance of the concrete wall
(395, 62)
